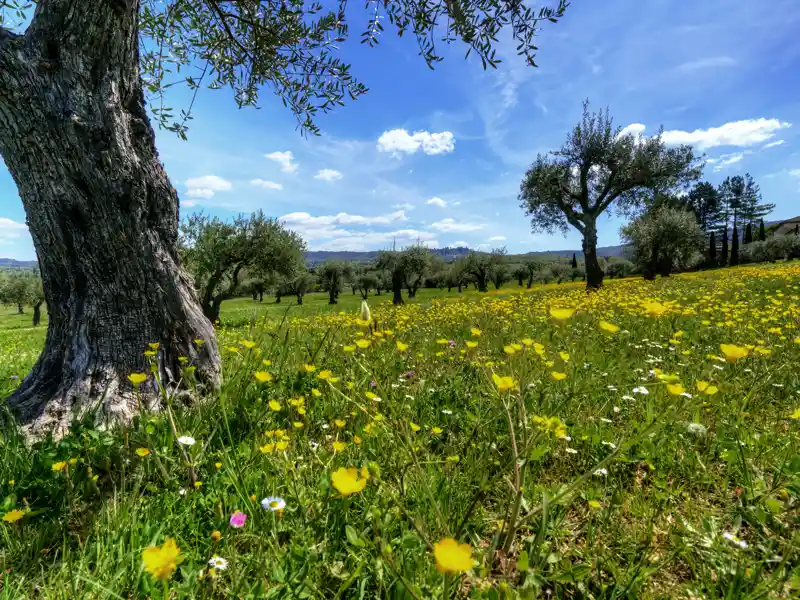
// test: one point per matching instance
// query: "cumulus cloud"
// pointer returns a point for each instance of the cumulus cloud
(284, 159)
(330, 226)
(267, 185)
(328, 175)
(404, 206)
(635, 128)
(497, 238)
(795, 172)
(452, 225)
(206, 186)
(459, 244)
(370, 240)
(436, 202)
(399, 140)
(748, 132)
(10, 229)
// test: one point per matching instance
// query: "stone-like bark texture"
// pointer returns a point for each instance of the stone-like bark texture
(101, 211)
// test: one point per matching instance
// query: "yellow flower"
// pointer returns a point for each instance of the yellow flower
(733, 352)
(281, 446)
(267, 448)
(154, 345)
(564, 356)
(654, 309)
(13, 516)
(339, 446)
(137, 378)
(297, 425)
(609, 327)
(436, 430)
(263, 376)
(348, 481)
(363, 344)
(476, 332)
(316, 393)
(503, 383)
(142, 452)
(161, 561)
(527, 341)
(266, 362)
(707, 388)
(796, 414)
(414, 427)
(309, 368)
(325, 375)
(558, 376)
(339, 423)
(472, 344)
(59, 466)
(676, 389)
(401, 346)
(763, 351)
(441, 341)
(595, 504)
(668, 378)
(561, 314)
(247, 344)
(274, 405)
(349, 349)
(216, 536)
(509, 350)
(452, 557)
(356, 440)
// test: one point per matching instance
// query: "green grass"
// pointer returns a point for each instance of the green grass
(656, 495)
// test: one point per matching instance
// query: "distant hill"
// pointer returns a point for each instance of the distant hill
(11, 263)
(450, 254)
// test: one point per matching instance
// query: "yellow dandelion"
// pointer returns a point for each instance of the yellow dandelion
(609, 327)
(161, 561)
(558, 376)
(733, 352)
(263, 376)
(452, 557)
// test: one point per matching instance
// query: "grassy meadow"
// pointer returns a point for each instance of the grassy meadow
(640, 442)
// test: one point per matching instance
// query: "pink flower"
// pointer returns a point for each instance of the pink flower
(238, 519)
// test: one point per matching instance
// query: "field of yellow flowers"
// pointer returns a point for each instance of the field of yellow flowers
(639, 442)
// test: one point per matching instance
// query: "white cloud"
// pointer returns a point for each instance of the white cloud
(711, 62)
(371, 240)
(399, 140)
(497, 238)
(773, 144)
(459, 244)
(726, 160)
(435, 201)
(328, 175)
(635, 128)
(188, 203)
(284, 159)
(404, 206)
(330, 226)
(11, 230)
(795, 172)
(452, 225)
(206, 186)
(736, 133)
(267, 185)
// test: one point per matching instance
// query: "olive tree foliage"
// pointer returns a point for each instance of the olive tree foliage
(332, 275)
(296, 284)
(22, 288)
(218, 252)
(596, 169)
(415, 263)
(664, 239)
(482, 266)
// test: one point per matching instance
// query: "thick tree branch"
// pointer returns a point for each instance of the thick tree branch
(7, 58)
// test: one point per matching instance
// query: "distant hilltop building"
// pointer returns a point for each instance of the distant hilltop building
(785, 227)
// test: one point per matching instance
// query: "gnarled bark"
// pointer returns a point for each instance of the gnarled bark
(594, 272)
(101, 211)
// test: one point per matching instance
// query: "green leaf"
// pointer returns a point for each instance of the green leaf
(524, 562)
(353, 537)
(576, 573)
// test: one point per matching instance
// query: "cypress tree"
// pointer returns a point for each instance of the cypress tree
(762, 234)
(574, 261)
(723, 259)
(748, 234)
(735, 246)
(797, 229)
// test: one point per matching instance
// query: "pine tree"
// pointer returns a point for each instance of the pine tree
(762, 234)
(704, 200)
(735, 246)
(750, 205)
(723, 259)
(748, 234)
(574, 261)
(712, 249)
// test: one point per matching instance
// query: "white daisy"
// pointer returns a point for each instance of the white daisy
(570, 450)
(735, 540)
(641, 390)
(217, 562)
(186, 440)
(273, 503)
(601, 472)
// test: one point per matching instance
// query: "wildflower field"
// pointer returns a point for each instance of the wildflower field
(638, 442)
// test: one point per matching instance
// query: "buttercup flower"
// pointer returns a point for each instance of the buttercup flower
(452, 557)
(161, 561)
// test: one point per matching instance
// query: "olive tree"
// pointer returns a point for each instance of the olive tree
(332, 275)
(218, 252)
(415, 262)
(664, 239)
(76, 81)
(598, 168)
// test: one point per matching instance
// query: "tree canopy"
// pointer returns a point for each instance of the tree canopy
(599, 167)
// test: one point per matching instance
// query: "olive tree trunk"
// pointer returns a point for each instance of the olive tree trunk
(594, 272)
(102, 214)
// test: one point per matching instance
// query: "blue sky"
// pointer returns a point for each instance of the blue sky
(438, 156)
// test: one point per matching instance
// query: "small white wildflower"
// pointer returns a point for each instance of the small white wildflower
(735, 540)
(628, 398)
(686, 394)
(273, 503)
(611, 445)
(567, 438)
(718, 368)
(777, 385)
(186, 440)
(325, 426)
(616, 409)
(313, 445)
(604, 420)
(601, 472)
(570, 450)
(447, 411)
(182, 492)
(641, 390)
(218, 563)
